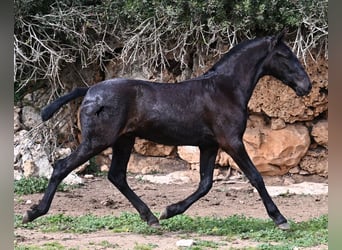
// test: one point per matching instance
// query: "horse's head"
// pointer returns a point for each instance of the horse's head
(283, 64)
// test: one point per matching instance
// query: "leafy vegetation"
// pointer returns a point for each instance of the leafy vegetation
(302, 234)
(33, 185)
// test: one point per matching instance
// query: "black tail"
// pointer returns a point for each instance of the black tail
(52, 108)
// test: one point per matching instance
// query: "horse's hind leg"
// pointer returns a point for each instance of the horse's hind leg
(207, 164)
(238, 152)
(117, 175)
(61, 169)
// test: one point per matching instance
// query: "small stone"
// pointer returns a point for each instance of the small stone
(189, 153)
(320, 133)
(108, 151)
(107, 202)
(29, 168)
(185, 243)
(28, 202)
(288, 181)
(294, 170)
(104, 168)
(303, 172)
(277, 124)
(88, 176)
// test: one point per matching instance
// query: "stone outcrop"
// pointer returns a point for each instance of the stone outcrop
(148, 148)
(30, 117)
(30, 158)
(149, 165)
(273, 152)
(279, 101)
(17, 124)
(315, 162)
(189, 154)
(320, 133)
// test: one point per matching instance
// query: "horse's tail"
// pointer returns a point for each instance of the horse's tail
(52, 108)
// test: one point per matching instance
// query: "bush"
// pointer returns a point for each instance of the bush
(50, 35)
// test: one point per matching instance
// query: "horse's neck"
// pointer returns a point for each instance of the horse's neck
(243, 69)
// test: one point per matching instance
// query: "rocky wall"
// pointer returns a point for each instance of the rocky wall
(285, 134)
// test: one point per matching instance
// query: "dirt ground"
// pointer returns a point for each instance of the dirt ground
(98, 196)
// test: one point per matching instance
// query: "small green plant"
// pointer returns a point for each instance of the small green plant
(144, 246)
(92, 168)
(33, 185)
(205, 244)
(47, 246)
(108, 245)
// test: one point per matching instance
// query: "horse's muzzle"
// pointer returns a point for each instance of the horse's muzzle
(300, 91)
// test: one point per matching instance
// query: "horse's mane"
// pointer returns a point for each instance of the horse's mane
(244, 45)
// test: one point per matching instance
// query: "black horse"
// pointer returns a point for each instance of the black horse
(209, 111)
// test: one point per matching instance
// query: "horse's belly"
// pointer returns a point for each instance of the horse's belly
(177, 135)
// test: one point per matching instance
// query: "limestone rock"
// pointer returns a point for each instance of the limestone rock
(145, 164)
(320, 133)
(104, 168)
(148, 148)
(73, 179)
(29, 168)
(189, 153)
(17, 124)
(176, 177)
(62, 152)
(277, 124)
(279, 101)
(256, 121)
(223, 159)
(303, 188)
(30, 117)
(273, 152)
(32, 160)
(316, 162)
(107, 152)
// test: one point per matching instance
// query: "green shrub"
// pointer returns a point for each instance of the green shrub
(33, 185)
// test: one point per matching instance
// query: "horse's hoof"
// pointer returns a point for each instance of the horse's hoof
(163, 215)
(155, 225)
(26, 218)
(284, 226)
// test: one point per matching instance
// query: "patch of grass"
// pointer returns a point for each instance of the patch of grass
(204, 244)
(33, 185)
(303, 234)
(47, 246)
(144, 246)
(107, 245)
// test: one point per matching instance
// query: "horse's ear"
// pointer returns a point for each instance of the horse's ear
(277, 38)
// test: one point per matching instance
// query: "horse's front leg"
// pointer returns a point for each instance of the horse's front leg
(207, 164)
(117, 175)
(236, 149)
